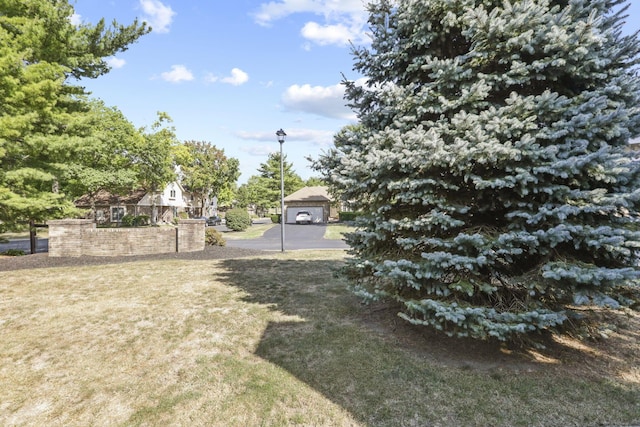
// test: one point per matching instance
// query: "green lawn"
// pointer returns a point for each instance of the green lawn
(255, 231)
(277, 340)
(334, 231)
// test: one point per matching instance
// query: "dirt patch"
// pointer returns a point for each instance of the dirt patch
(615, 356)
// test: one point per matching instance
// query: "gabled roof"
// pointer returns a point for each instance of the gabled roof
(105, 198)
(310, 194)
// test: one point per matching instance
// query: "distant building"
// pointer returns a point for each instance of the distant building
(315, 200)
(109, 207)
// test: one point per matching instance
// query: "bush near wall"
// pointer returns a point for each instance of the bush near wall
(13, 252)
(348, 216)
(238, 219)
(276, 218)
(134, 220)
(213, 237)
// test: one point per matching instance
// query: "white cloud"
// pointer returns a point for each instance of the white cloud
(75, 19)
(237, 78)
(211, 78)
(262, 150)
(157, 14)
(116, 62)
(327, 34)
(255, 136)
(321, 138)
(178, 73)
(344, 20)
(275, 10)
(326, 101)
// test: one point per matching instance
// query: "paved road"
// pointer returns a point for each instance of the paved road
(42, 245)
(296, 236)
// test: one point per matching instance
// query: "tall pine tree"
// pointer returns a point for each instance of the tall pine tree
(43, 115)
(490, 162)
(263, 190)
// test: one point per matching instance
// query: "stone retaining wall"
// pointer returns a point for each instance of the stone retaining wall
(80, 237)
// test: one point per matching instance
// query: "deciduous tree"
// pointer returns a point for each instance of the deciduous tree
(155, 162)
(208, 172)
(107, 157)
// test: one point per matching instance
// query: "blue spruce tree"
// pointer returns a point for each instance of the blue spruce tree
(491, 163)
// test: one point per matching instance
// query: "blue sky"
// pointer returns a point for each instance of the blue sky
(233, 72)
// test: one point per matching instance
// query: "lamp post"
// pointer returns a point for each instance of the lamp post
(281, 135)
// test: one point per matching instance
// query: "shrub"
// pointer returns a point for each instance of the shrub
(141, 220)
(348, 216)
(127, 220)
(238, 219)
(276, 218)
(134, 221)
(213, 237)
(13, 252)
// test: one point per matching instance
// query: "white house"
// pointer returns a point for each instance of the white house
(109, 207)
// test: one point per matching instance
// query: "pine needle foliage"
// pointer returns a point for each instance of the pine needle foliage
(54, 140)
(491, 163)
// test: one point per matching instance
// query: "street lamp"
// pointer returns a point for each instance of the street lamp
(281, 135)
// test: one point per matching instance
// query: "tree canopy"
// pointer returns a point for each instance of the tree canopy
(208, 172)
(490, 163)
(263, 190)
(107, 158)
(43, 115)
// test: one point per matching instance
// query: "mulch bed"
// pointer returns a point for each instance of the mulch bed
(42, 260)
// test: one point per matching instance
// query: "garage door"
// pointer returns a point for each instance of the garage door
(317, 213)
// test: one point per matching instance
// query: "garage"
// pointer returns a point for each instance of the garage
(315, 200)
(317, 213)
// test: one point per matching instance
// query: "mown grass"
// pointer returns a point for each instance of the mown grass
(274, 341)
(335, 231)
(255, 231)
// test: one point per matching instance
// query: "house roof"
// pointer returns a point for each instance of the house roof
(104, 198)
(310, 194)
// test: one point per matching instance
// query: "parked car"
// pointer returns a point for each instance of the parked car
(303, 217)
(214, 220)
(211, 221)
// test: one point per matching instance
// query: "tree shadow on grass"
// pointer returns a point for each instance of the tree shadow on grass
(385, 371)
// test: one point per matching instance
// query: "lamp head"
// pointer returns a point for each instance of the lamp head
(281, 135)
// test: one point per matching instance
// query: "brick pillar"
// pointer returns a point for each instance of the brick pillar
(66, 236)
(190, 235)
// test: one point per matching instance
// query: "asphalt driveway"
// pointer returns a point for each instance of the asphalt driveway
(296, 236)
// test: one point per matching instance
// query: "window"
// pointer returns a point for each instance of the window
(172, 194)
(117, 212)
